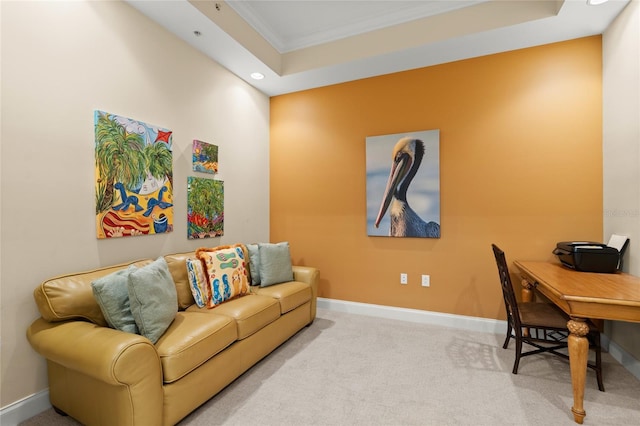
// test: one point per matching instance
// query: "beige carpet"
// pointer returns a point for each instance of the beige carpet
(350, 369)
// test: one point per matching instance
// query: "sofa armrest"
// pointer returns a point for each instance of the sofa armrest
(306, 274)
(89, 363)
(108, 355)
(311, 276)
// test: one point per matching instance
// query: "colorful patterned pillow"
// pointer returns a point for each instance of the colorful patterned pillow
(197, 281)
(226, 271)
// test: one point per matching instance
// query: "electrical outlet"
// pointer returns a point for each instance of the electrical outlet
(426, 281)
(403, 278)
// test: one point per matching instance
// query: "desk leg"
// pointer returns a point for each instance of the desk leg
(527, 291)
(578, 353)
(527, 296)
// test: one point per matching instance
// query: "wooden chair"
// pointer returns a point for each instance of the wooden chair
(545, 323)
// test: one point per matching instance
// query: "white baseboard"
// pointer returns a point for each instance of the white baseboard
(623, 357)
(33, 405)
(19, 411)
(415, 315)
(459, 322)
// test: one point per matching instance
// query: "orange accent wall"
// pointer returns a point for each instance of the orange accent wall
(520, 166)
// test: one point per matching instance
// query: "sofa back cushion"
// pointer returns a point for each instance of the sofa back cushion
(178, 268)
(71, 297)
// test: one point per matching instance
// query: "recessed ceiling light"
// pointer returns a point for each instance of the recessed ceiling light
(596, 2)
(257, 76)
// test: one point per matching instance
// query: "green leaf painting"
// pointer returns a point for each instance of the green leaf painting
(205, 208)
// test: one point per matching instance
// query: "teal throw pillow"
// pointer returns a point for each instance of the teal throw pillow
(254, 263)
(153, 298)
(275, 263)
(112, 294)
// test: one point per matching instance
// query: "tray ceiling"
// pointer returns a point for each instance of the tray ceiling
(299, 45)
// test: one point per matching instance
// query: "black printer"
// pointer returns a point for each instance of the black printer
(589, 256)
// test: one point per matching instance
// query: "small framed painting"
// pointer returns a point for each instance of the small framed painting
(205, 157)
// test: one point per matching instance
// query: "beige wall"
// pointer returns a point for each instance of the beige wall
(520, 166)
(60, 62)
(621, 149)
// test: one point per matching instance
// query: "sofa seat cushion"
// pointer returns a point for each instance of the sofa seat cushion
(290, 295)
(191, 339)
(250, 312)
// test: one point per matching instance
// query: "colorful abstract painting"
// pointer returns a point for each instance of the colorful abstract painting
(403, 184)
(205, 208)
(205, 157)
(134, 177)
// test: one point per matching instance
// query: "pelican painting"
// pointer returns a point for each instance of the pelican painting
(403, 200)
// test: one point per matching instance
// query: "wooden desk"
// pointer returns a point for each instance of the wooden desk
(582, 295)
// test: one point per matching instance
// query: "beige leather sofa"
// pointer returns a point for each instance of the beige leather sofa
(102, 376)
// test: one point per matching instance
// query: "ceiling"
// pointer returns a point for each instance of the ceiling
(303, 44)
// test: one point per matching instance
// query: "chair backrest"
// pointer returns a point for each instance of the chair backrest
(510, 301)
